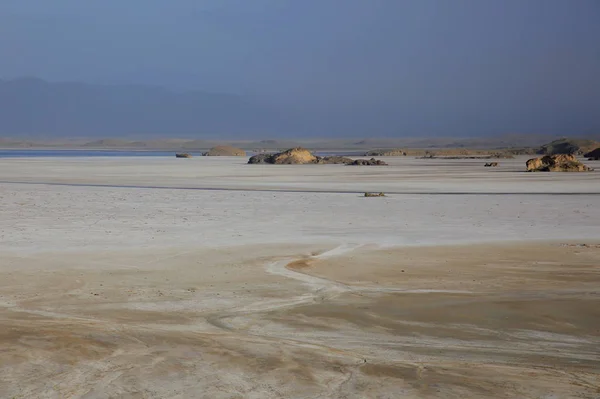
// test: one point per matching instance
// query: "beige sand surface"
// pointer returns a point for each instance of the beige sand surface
(112, 292)
(235, 323)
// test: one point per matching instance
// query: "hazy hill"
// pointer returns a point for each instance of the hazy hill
(568, 146)
(38, 108)
(32, 108)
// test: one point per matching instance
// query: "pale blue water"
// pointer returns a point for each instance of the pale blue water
(84, 153)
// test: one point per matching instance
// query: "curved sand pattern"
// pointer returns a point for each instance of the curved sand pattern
(336, 337)
(160, 293)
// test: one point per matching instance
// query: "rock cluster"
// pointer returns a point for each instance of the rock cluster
(556, 163)
(300, 156)
(491, 165)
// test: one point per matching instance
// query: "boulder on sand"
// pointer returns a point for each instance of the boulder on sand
(491, 164)
(293, 156)
(260, 158)
(593, 155)
(556, 163)
(183, 155)
(225, 151)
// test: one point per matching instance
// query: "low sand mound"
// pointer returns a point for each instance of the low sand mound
(556, 163)
(293, 156)
(225, 151)
(593, 155)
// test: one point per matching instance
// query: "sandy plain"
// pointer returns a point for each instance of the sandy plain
(208, 278)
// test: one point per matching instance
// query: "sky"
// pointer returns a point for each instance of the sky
(471, 63)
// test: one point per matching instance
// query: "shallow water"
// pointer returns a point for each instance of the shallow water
(82, 153)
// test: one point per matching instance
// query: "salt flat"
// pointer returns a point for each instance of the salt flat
(404, 175)
(463, 282)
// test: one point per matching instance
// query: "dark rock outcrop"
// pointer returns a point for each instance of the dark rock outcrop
(593, 155)
(491, 165)
(261, 159)
(333, 160)
(367, 162)
(183, 155)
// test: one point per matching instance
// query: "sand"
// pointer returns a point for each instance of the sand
(165, 292)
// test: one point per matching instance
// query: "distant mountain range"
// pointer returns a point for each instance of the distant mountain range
(540, 143)
(33, 109)
(37, 108)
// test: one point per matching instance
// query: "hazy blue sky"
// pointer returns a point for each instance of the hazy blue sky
(493, 59)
